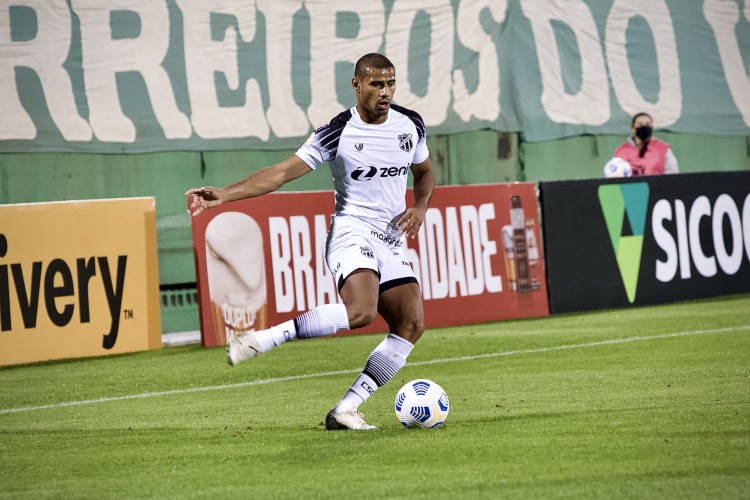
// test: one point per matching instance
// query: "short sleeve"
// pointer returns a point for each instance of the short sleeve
(323, 144)
(310, 153)
(421, 153)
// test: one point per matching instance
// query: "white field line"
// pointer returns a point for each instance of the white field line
(358, 370)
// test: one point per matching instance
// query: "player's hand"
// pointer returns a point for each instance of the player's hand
(202, 198)
(411, 222)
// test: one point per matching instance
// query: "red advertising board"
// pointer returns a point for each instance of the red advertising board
(261, 261)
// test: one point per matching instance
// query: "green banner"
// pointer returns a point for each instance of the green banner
(148, 75)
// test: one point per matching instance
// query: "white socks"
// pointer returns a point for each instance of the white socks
(322, 320)
(382, 364)
(276, 335)
(326, 319)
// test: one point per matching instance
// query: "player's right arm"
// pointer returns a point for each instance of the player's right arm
(263, 181)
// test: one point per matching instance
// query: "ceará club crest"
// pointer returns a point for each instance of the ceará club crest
(405, 142)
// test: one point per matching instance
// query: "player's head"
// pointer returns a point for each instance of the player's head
(373, 60)
(374, 84)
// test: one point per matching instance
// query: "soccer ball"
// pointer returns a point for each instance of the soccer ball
(421, 403)
(617, 167)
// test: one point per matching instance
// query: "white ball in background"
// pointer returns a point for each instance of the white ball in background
(617, 167)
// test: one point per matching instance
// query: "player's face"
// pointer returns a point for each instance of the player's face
(374, 93)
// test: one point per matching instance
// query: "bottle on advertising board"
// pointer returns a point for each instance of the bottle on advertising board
(533, 253)
(510, 256)
(520, 247)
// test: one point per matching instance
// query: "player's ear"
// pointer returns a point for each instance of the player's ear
(355, 84)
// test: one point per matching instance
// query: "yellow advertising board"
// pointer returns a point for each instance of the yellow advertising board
(77, 279)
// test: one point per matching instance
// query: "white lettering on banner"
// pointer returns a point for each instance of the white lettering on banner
(723, 16)
(668, 106)
(326, 50)
(297, 286)
(484, 102)
(216, 65)
(105, 57)
(590, 105)
(433, 106)
(454, 258)
(472, 246)
(688, 247)
(204, 57)
(493, 284)
(706, 265)
(281, 257)
(457, 267)
(437, 270)
(301, 258)
(725, 207)
(284, 116)
(45, 54)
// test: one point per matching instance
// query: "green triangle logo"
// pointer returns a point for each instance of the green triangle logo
(618, 201)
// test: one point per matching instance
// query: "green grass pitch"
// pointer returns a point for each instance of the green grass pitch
(649, 402)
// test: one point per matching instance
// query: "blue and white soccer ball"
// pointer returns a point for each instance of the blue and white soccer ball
(421, 403)
(617, 167)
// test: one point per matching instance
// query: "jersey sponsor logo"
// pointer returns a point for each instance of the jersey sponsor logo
(393, 171)
(367, 252)
(359, 147)
(386, 239)
(367, 173)
(362, 174)
(405, 142)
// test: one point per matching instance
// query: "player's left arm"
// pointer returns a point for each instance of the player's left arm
(424, 184)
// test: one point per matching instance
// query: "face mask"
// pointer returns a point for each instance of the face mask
(643, 132)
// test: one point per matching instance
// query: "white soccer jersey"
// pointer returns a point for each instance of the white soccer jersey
(369, 163)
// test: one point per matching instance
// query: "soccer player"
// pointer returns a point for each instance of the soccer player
(370, 148)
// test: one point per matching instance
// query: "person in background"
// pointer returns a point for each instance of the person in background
(646, 154)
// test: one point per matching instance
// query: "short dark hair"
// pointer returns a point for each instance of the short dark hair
(371, 60)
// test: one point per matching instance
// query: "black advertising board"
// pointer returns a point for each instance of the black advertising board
(645, 240)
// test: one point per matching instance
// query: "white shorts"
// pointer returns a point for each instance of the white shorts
(358, 244)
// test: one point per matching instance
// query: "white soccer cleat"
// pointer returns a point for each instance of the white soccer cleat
(348, 420)
(242, 348)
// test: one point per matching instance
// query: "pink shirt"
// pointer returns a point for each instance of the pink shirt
(657, 160)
